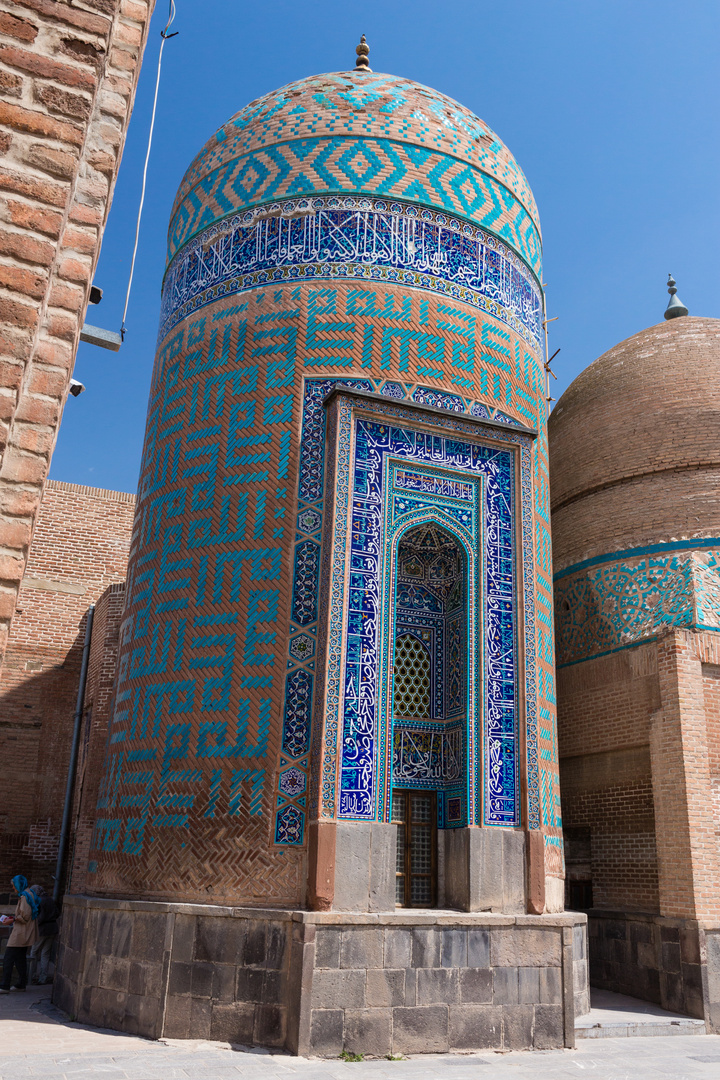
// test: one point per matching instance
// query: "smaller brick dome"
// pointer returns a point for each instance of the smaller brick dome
(635, 444)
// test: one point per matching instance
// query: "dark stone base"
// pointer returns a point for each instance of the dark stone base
(672, 962)
(316, 983)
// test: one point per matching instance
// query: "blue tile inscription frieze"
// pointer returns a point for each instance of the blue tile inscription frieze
(356, 238)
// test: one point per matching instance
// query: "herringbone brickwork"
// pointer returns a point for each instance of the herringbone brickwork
(220, 580)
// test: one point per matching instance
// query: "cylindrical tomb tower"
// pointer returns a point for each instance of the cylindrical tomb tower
(335, 682)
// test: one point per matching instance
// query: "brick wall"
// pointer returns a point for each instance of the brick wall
(98, 701)
(683, 781)
(607, 701)
(68, 73)
(80, 549)
(711, 692)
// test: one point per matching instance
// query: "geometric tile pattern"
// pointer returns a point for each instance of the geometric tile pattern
(357, 238)
(358, 112)
(373, 167)
(200, 466)
(411, 677)
(617, 602)
(197, 736)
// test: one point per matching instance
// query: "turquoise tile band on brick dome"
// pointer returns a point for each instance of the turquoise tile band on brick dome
(357, 133)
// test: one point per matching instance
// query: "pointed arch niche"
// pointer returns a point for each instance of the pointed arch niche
(427, 654)
(428, 697)
(429, 664)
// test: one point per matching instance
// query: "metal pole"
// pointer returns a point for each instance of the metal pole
(65, 827)
(547, 353)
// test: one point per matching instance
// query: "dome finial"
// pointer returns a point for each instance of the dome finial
(363, 51)
(675, 306)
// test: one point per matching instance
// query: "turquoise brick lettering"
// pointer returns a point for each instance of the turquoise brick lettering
(215, 696)
(492, 337)
(278, 410)
(233, 523)
(172, 543)
(463, 352)
(214, 740)
(243, 380)
(180, 697)
(280, 372)
(168, 353)
(262, 609)
(252, 779)
(389, 311)
(360, 302)
(107, 834)
(153, 659)
(202, 492)
(177, 741)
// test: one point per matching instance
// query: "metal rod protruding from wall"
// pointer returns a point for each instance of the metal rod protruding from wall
(79, 708)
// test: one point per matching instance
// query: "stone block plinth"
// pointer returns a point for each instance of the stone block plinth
(318, 983)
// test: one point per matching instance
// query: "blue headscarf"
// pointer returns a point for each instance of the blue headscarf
(21, 885)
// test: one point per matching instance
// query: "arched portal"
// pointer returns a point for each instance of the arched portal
(428, 698)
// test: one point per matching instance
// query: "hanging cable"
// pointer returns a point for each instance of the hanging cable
(165, 37)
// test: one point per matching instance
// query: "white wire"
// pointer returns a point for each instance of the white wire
(164, 36)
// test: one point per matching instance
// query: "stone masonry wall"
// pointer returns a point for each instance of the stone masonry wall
(68, 74)
(424, 985)
(673, 962)
(318, 983)
(80, 548)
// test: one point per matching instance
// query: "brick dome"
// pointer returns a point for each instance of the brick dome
(635, 444)
(359, 133)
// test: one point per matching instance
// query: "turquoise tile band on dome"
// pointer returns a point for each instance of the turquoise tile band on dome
(367, 239)
(376, 106)
(338, 166)
(616, 605)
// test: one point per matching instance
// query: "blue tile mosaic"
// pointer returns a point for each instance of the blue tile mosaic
(369, 240)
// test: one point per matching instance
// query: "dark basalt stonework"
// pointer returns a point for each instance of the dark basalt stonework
(317, 983)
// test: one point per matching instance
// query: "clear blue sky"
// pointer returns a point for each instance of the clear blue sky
(610, 107)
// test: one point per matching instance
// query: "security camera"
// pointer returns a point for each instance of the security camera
(76, 388)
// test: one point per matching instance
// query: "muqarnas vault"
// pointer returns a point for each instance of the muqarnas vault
(335, 687)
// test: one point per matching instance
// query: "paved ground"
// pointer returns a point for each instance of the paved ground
(36, 1042)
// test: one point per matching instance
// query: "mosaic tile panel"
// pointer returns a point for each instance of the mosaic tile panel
(363, 793)
(623, 601)
(364, 239)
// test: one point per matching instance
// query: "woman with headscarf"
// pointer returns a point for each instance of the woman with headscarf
(23, 935)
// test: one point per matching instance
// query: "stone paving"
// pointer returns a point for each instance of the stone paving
(36, 1041)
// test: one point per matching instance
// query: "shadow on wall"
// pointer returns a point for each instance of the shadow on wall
(36, 723)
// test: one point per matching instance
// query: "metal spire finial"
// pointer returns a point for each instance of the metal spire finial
(675, 306)
(363, 51)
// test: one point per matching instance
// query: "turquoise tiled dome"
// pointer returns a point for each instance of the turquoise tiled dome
(359, 133)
